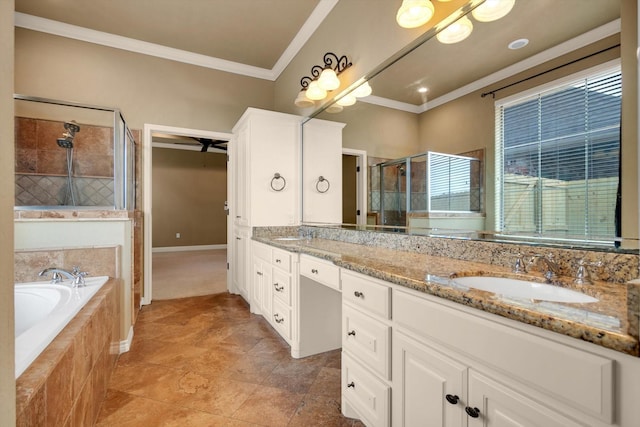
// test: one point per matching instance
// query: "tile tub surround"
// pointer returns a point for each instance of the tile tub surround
(611, 323)
(98, 261)
(65, 385)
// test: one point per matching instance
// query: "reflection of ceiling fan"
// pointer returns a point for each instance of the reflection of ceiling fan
(208, 142)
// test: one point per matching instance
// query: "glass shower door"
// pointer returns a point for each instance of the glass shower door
(393, 189)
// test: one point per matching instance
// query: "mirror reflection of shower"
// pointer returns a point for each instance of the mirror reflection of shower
(66, 142)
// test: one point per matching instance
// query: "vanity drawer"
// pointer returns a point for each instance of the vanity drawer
(262, 251)
(368, 396)
(282, 286)
(281, 319)
(281, 259)
(367, 339)
(320, 270)
(366, 293)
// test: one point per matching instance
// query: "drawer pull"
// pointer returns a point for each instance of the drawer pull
(351, 385)
(259, 273)
(278, 261)
(278, 288)
(351, 333)
(314, 271)
(277, 318)
(472, 412)
(452, 398)
(358, 294)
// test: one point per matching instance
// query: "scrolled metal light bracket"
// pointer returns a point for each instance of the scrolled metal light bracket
(330, 60)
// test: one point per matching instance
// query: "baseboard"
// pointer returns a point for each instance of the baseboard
(125, 345)
(188, 248)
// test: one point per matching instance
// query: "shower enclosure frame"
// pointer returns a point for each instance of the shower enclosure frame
(123, 163)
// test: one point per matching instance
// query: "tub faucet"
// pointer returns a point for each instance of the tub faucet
(551, 270)
(76, 276)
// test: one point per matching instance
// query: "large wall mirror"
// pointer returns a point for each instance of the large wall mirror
(442, 98)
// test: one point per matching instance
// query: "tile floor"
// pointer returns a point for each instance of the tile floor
(207, 361)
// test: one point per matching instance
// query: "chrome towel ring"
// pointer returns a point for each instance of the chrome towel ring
(275, 180)
(319, 184)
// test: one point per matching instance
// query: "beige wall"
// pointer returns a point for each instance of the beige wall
(189, 190)
(7, 383)
(147, 89)
(380, 131)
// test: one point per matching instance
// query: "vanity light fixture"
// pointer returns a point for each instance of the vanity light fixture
(456, 32)
(363, 90)
(492, 10)
(414, 13)
(347, 100)
(324, 78)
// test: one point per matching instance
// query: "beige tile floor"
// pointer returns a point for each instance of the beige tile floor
(207, 361)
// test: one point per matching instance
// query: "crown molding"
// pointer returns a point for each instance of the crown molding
(390, 103)
(62, 29)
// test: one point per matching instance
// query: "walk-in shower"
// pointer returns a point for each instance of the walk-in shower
(66, 142)
(423, 184)
(70, 155)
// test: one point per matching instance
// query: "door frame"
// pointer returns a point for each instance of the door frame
(361, 182)
(147, 187)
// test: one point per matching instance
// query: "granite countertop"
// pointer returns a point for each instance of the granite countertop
(603, 323)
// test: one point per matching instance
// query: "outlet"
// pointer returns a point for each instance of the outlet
(177, 235)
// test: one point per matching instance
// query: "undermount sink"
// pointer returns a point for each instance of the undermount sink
(524, 289)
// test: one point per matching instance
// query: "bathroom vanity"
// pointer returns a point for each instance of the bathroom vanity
(418, 350)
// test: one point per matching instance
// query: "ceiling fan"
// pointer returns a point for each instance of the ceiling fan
(208, 142)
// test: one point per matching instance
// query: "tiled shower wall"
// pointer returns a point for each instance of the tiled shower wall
(41, 165)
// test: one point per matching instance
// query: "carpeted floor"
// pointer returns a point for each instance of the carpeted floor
(189, 273)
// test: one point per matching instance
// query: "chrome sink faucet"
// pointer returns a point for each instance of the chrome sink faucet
(76, 276)
(551, 270)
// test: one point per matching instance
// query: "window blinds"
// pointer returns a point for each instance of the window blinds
(558, 157)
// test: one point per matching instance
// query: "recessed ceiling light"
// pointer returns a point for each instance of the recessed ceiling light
(517, 44)
(423, 90)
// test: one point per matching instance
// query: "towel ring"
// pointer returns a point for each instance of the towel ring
(320, 180)
(278, 177)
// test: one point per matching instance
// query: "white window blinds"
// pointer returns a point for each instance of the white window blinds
(558, 154)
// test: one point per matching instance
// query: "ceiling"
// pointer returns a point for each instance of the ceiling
(264, 35)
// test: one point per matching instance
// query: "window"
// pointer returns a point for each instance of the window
(558, 157)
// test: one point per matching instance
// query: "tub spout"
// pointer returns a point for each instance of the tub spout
(76, 276)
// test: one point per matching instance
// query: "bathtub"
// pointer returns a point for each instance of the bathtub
(42, 310)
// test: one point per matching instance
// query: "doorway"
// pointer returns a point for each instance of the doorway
(174, 138)
(354, 186)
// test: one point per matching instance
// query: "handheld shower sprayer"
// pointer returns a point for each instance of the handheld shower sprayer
(67, 140)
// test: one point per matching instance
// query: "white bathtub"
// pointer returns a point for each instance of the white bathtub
(42, 310)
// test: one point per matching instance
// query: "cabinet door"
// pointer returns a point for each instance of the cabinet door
(273, 149)
(257, 279)
(240, 193)
(322, 157)
(429, 387)
(500, 406)
(240, 262)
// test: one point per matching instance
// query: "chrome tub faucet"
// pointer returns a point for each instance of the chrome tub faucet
(76, 276)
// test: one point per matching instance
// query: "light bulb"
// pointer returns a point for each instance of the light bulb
(302, 101)
(328, 79)
(414, 13)
(315, 92)
(363, 90)
(456, 32)
(492, 10)
(347, 100)
(334, 108)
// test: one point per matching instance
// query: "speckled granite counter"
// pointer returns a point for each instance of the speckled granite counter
(606, 322)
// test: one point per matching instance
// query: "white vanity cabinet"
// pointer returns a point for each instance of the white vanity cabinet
(452, 368)
(267, 150)
(322, 171)
(264, 185)
(274, 286)
(366, 349)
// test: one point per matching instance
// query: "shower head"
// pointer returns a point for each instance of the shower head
(66, 142)
(72, 127)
